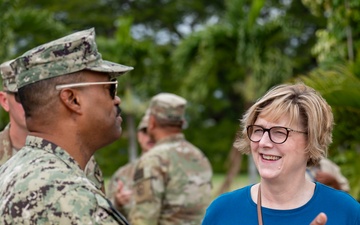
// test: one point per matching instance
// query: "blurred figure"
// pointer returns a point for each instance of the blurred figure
(59, 83)
(13, 137)
(173, 180)
(328, 173)
(120, 190)
(286, 130)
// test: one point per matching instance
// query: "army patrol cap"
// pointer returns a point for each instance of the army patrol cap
(69, 54)
(144, 122)
(8, 77)
(168, 107)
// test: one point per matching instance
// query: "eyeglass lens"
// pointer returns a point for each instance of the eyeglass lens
(277, 135)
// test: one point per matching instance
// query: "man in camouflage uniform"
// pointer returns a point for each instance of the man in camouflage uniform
(12, 138)
(173, 180)
(71, 110)
(120, 189)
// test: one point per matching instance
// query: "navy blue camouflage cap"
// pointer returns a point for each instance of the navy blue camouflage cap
(69, 54)
(8, 76)
(168, 107)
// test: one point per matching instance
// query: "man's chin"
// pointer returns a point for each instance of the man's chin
(118, 133)
(112, 137)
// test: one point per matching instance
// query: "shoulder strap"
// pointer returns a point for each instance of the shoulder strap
(260, 220)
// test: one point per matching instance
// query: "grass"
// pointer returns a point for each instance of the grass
(217, 180)
(239, 182)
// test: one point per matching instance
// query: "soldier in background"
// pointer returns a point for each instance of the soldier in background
(328, 173)
(120, 190)
(173, 180)
(68, 93)
(12, 138)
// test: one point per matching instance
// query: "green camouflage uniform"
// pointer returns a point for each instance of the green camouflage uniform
(6, 149)
(126, 175)
(94, 173)
(92, 170)
(42, 183)
(173, 184)
(172, 180)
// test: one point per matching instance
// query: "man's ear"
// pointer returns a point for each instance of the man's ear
(71, 99)
(4, 101)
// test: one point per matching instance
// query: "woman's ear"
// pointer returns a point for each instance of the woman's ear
(71, 99)
(4, 102)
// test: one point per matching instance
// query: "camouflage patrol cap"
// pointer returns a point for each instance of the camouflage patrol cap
(8, 76)
(72, 53)
(168, 107)
(144, 122)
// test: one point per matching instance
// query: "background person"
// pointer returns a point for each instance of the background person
(328, 173)
(286, 130)
(12, 138)
(173, 180)
(58, 84)
(120, 190)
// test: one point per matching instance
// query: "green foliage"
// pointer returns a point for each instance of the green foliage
(22, 28)
(339, 40)
(339, 87)
(169, 17)
(79, 14)
(152, 19)
(240, 181)
(215, 141)
(6, 8)
(350, 167)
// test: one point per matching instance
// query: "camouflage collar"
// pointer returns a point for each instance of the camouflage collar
(170, 138)
(40, 143)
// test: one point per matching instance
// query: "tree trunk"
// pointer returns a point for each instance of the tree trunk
(349, 37)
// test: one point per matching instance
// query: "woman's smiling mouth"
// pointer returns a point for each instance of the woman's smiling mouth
(270, 157)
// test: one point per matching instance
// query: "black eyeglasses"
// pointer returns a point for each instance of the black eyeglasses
(277, 134)
(113, 86)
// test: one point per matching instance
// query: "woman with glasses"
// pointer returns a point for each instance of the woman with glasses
(285, 131)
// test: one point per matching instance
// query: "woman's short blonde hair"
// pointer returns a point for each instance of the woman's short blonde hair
(301, 104)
